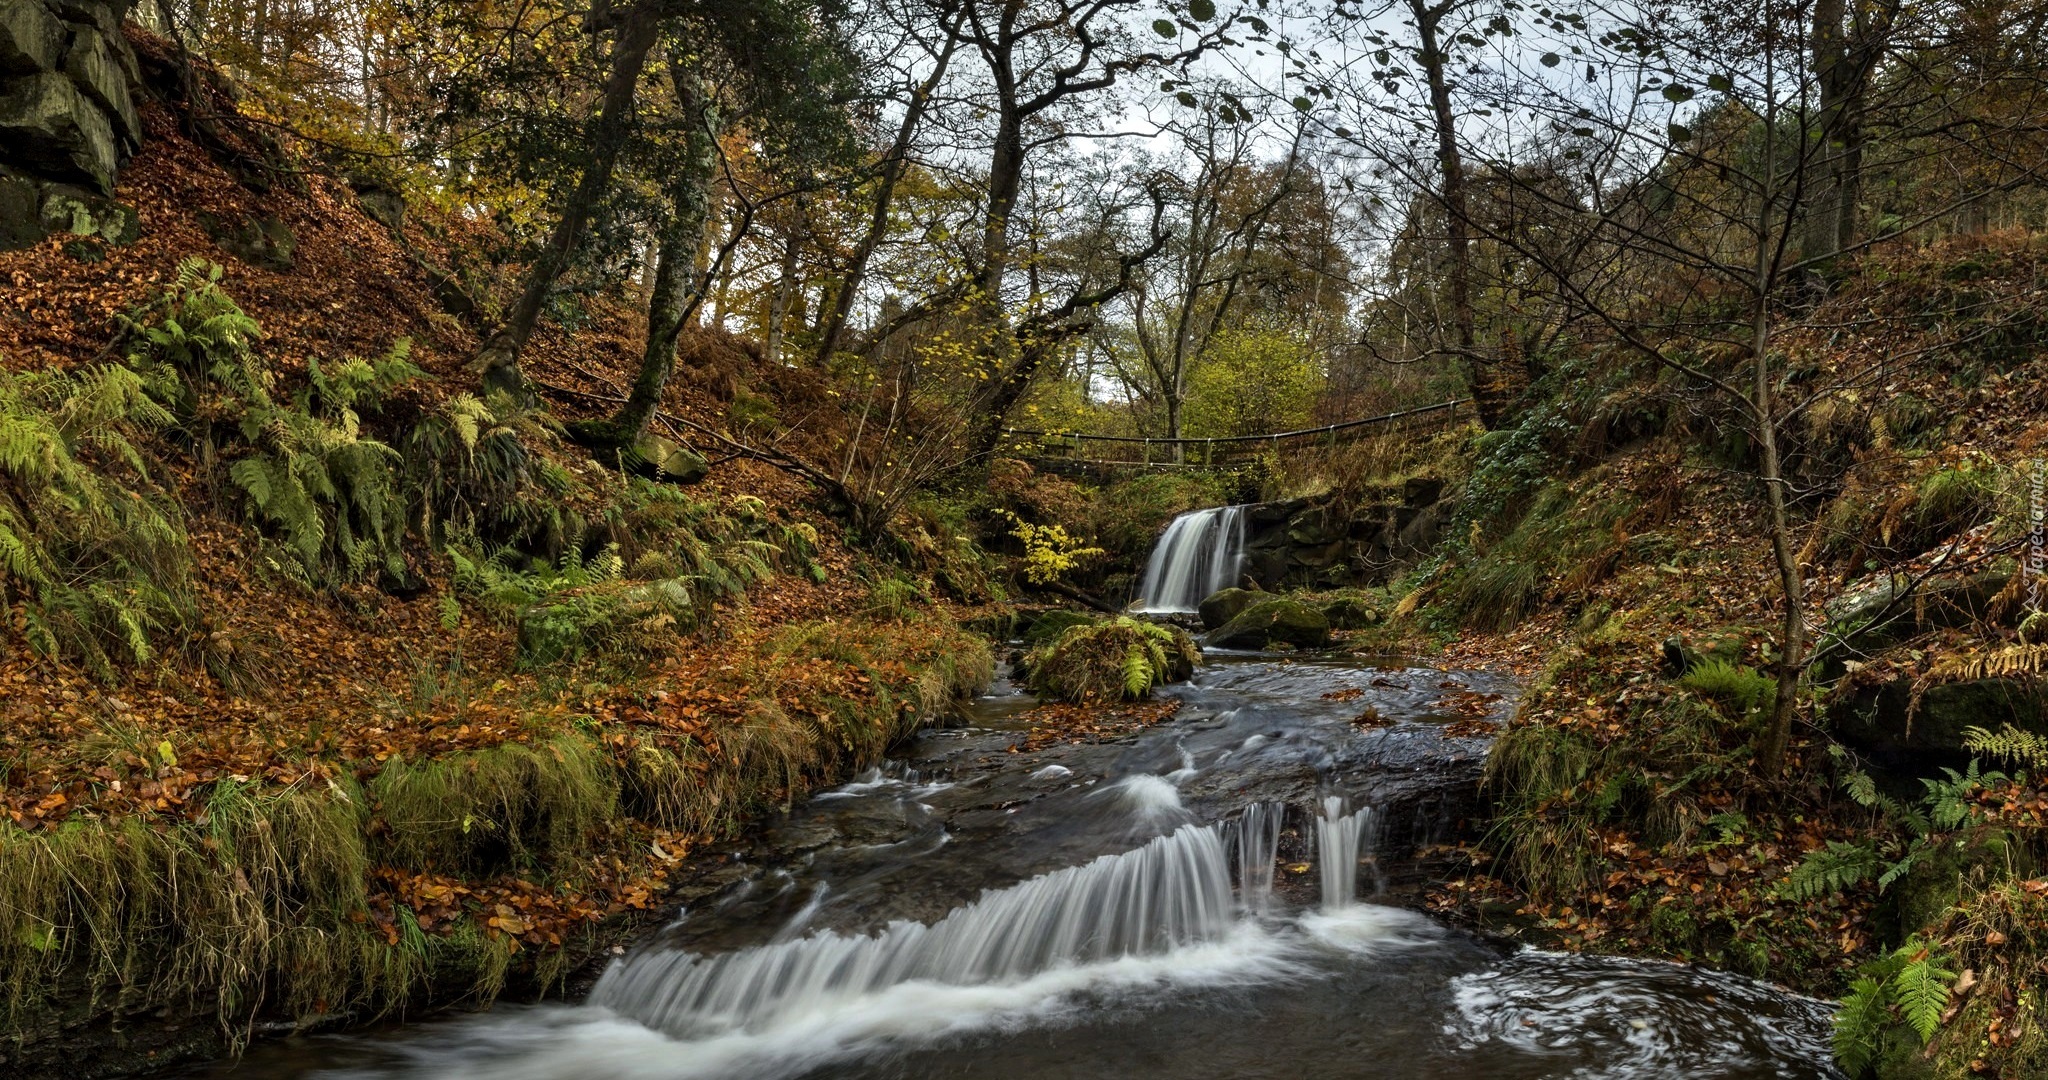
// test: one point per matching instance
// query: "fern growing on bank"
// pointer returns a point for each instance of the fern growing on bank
(102, 563)
(1910, 985)
(309, 471)
(1119, 658)
(1943, 807)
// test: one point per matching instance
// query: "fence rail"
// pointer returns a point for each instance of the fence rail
(1227, 452)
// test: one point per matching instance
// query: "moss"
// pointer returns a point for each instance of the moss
(1116, 659)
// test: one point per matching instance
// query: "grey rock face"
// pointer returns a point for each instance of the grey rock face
(67, 117)
(49, 126)
(31, 39)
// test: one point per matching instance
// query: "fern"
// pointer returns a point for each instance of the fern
(96, 553)
(1138, 672)
(1948, 801)
(1921, 987)
(1831, 869)
(1860, 1024)
(2024, 748)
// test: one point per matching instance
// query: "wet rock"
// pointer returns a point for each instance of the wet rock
(1350, 613)
(1270, 622)
(1224, 605)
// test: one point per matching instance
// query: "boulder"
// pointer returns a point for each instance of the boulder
(1420, 491)
(81, 213)
(31, 39)
(1859, 619)
(1272, 622)
(383, 201)
(1350, 613)
(1224, 605)
(1883, 720)
(21, 223)
(260, 241)
(663, 459)
(95, 67)
(46, 123)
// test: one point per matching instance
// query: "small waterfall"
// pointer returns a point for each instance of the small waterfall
(1258, 850)
(1339, 840)
(1173, 891)
(1201, 551)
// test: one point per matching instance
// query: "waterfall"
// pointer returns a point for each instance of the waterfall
(1339, 839)
(1173, 891)
(1201, 551)
(1258, 849)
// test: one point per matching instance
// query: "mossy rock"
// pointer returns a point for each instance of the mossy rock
(1224, 605)
(1051, 624)
(1272, 622)
(1926, 894)
(1885, 719)
(1117, 659)
(662, 459)
(1350, 613)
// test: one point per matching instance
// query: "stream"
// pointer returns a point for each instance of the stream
(1215, 896)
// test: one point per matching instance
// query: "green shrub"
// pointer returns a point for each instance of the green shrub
(1119, 658)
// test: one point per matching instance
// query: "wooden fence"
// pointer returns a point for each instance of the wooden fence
(1225, 453)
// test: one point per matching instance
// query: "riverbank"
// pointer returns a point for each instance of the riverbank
(368, 884)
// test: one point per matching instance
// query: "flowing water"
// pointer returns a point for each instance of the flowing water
(1200, 552)
(1213, 897)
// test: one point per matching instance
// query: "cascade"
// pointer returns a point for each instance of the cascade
(1339, 839)
(1171, 892)
(1200, 552)
(1258, 850)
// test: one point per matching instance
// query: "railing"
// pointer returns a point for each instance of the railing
(1218, 453)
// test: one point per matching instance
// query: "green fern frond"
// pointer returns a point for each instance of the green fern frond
(1921, 988)
(1831, 869)
(2011, 744)
(1860, 1023)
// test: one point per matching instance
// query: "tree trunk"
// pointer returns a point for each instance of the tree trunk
(1792, 634)
(833, 325)
(1457, 214)
(1830, 70)
(678, 287)
(778, 304)
(497, 361)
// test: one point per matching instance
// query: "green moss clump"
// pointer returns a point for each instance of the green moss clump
(1117, 659)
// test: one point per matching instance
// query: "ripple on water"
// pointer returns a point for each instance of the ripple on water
(1610, 1018)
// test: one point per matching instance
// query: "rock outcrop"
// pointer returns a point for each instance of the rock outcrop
(67, 120)
(1320, 544)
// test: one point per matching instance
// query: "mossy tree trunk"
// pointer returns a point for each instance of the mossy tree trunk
(678, 287)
